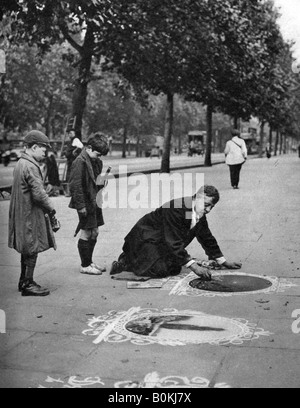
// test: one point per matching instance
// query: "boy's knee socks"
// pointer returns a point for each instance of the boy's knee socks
(85, 253)
(92, 244)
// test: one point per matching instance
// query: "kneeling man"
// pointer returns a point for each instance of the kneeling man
(156, 245)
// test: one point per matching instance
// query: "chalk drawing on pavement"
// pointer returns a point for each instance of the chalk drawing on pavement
(153, 380)
(182, 287)
(171, 327)
(72, 382)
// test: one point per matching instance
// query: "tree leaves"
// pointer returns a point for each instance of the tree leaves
(226, 53)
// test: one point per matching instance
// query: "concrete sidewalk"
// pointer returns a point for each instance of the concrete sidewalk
(82, 335)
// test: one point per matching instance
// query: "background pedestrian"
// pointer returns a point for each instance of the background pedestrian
(236, 155)
(51, 176)
(268, 151)
(73, 150)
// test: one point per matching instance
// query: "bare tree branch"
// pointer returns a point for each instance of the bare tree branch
(69, 38)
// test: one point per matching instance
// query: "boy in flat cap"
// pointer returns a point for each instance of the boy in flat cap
(30, 212)
(84, 189)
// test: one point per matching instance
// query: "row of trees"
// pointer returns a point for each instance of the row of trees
(228, 55)
(40, 94)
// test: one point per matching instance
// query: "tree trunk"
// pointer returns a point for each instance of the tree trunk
(271, 136)
(261, 141)
(209, 116)
(214, 138)
(220, 142)
(236, 122)
(82, 81)
(125, 132)
(276, 142)
(280, 144)
(138, 147)
(179, 145)
(129, 147)
(48, 121)
(284, 144)
(165, 162)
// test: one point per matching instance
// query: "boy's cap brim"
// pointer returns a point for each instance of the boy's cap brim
(35, 136)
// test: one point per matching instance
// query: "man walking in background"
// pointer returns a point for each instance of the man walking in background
(236, 155)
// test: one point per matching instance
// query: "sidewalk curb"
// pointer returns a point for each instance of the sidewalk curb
(150, 171)
(7, 188)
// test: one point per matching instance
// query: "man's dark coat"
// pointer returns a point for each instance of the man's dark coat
(163, 235)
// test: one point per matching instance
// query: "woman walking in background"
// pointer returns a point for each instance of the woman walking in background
(236, 155)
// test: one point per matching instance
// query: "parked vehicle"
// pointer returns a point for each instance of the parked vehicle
(196, 142)
(5, 157)
(15, 154)
(252, 143)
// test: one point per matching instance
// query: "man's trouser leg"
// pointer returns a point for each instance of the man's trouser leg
(235, 174)
(29, 264)
(164, 268)
(232, 175)
(23, 273)
(238, 168)
(29, 287)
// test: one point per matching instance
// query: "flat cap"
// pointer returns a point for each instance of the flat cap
(35, 136)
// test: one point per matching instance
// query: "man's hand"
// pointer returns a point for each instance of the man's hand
(232, 265)
(83, 212)
(203, 273)
(102, 181)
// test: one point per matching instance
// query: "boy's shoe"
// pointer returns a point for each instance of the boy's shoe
(33, 289)
(22, 283)
(100, 268)
(90, 270)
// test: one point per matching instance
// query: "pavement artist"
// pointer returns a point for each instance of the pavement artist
(84, 190)
(156, 245)
(31, 213)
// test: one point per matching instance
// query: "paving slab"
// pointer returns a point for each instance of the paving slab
(100, 364)
(47, 351)
(261, 368)
(29, 379)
